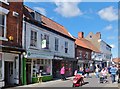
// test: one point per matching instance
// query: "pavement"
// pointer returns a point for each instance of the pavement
(89, 82)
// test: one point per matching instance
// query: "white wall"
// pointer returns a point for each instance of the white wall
(61, 52)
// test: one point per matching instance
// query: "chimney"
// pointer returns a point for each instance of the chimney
(98, 34)
(80, 35)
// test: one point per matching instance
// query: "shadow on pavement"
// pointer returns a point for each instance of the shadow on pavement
(85, 83)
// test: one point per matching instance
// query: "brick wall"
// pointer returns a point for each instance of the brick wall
(14, 24)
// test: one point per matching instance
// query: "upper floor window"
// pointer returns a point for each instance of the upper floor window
(56, 44)
(2, 25)
(86, 55)
(66, 47)
(33, 41)
(80, 54)
(45, 41)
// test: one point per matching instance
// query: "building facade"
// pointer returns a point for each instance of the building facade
(83, 52)
(104, 57)
(11, 14)
(48, 46)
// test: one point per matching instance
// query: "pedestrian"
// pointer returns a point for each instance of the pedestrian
(87, 70)
(104, 73)
(75, 72)
(113, 71)
(62, 72)
(97, 71)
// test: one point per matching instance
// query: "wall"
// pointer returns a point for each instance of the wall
(52, 36)
(14, 24)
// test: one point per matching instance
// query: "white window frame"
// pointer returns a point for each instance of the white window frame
(43, 38)
(5, 1)
(4, 12)
(66, 47)
(80, 54)
(56, 44)
(36, 38)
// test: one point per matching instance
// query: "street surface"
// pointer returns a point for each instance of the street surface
(89, 82)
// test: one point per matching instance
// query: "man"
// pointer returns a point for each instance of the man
(113, 72)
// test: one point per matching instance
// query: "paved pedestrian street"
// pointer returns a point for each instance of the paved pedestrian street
(89, 82)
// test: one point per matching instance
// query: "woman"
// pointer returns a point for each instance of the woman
(62, 72)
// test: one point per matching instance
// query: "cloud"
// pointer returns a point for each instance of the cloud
(111, 38)
(112, 45)
(41, 10)
(68, 9)
(109, 14)
(109, 27)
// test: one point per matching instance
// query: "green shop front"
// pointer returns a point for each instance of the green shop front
(37, 67)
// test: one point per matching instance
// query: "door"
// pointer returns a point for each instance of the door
(9, 73)
(28, 73)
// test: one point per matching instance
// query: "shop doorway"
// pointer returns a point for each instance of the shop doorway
(28, 73)
(9, 76)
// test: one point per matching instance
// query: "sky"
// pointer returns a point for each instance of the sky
(84, 17)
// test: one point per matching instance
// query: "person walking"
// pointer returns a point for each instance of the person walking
(87, 70)
(104, 73)
(97, 71)
(62, 72)
(113, 72)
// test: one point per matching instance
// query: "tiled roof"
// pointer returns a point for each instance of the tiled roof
(48, 22)
(85, 44)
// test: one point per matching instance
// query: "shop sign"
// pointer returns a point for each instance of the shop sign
(37, 55)
(58, 58)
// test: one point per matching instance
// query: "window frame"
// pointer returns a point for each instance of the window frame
(56, 44)
(66, 47)
(47, 38)
(4, 26)
(32, 30)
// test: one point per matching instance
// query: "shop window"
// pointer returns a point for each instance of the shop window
(2, 26)
(56, 44)
(66, 47)
(45, 41)
(41, 67)
(33, 42)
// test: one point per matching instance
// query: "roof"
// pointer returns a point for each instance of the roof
(47, 22)
(86, 44)
(116, 60)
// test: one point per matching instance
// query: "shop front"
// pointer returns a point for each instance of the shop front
(68, 63)
(38, 67)
(9, 69)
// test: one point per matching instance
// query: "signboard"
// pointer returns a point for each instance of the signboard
(44, 43)
(39, 55)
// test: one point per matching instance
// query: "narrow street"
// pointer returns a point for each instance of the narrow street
(89, 82)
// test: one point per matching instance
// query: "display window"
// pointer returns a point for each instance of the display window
(41, 67)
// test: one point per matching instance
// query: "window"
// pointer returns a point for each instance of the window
(86, 55)
(66, 47)
(80, 52)
(45, 41)
(90, 36)
(56, 44)
(33, 39)
(2, 25)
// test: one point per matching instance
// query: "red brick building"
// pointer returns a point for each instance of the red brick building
(11, 15)
(83, 51)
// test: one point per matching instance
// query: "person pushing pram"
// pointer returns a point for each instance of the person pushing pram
(103, 75)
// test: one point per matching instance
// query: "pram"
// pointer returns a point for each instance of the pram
(77, 80)
(103, 79)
